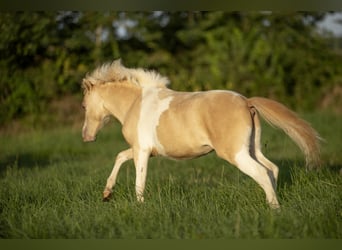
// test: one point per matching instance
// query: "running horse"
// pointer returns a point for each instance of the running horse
(181, 125)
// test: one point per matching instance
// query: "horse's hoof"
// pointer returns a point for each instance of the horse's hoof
(106, 196)
(106, 199)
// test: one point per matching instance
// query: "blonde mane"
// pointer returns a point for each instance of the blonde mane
(116, 72)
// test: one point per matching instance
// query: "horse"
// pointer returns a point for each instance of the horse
(158, 121)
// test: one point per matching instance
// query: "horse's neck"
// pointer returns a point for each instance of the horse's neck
(119, 97)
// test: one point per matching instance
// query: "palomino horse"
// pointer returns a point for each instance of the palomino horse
(159, 121)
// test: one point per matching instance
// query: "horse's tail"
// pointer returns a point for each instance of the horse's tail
(296, 128)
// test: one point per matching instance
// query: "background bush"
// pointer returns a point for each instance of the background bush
(44, 55)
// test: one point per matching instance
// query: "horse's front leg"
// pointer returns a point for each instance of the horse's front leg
(122, 157)
(140, 162)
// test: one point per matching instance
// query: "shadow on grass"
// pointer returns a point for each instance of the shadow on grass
(287, 166)
(285, 169)
(24, 160)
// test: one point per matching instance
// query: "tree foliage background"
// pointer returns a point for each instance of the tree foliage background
(44, 55)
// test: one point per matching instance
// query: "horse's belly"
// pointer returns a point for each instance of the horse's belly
(182, 142)
(186, 152)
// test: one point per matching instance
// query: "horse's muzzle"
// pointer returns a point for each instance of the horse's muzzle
(89, 138)
(85, 135)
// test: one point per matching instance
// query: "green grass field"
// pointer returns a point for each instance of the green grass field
(51, 185)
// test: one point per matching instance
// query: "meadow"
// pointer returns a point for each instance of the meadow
(51, 186)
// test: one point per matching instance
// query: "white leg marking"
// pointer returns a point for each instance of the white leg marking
(140, 161)
(259, 155)
(253, 169)
(122, 157)
(269, 165)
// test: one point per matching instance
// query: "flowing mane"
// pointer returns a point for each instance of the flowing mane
(116, 72)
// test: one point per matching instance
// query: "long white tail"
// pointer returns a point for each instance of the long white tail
(296, 128)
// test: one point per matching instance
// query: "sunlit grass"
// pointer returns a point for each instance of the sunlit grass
(51, 185)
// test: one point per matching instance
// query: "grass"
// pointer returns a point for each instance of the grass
(51, 185)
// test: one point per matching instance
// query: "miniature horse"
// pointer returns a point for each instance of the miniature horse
(181, 125)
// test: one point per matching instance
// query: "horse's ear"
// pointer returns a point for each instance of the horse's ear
(86, 85)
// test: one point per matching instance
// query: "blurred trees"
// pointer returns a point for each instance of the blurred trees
(44, 55)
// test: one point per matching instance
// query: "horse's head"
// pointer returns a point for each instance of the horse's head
(96, 115)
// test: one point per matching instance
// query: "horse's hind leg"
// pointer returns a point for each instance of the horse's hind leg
(256, 151)
(272, 168)
(237, 146)
(254, 169)
(248, 165)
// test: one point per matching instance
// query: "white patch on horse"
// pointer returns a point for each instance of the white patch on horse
(251, 167)
(152, 107)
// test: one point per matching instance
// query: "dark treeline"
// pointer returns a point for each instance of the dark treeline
(44, 55)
